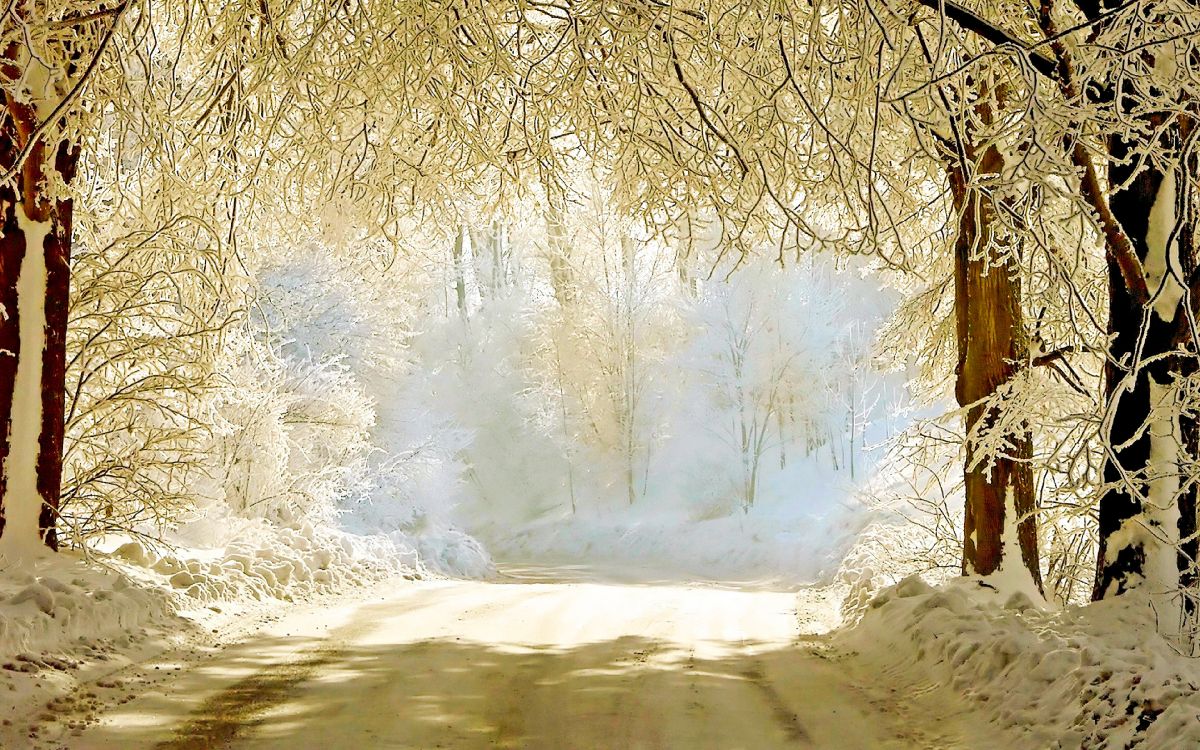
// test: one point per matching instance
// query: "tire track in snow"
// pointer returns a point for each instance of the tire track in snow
(232, 712)
(229, 714)
(785, 717)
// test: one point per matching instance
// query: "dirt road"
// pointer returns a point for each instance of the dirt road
(535, 661)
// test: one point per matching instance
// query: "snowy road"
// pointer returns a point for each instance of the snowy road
(532, 662)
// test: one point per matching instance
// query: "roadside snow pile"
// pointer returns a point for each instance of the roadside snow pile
(1097, 677)
(450, 552)
(263, 561)
(884, 553)
(441, 547)
(55, 599)
(61, 598)
(68, 619)
(221, 563)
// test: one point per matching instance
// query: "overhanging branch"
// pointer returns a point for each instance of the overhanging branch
(989, 31)
(1058, 68)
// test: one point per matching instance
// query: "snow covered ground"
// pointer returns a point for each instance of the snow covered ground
(794, 548)
(68, 624)
(779, 641)
(122, 652)
(539, 660)
(1101, 676)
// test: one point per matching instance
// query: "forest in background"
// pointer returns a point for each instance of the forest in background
(455, 386)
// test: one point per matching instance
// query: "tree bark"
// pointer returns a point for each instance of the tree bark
(1140, 521)
(992, 347)
(1143, 538)
(1189, 424)
(1147, 514)
(34, 291)
(685, 251)
(54, 357)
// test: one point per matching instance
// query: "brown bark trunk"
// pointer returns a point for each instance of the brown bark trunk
(12, 250)
(1150, 341)
(992, 347)
(23, 202)
(54, 357)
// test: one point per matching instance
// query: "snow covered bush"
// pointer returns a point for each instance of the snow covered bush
(148, 313)
(196, 392)
(257, 559)
(293, 438)
(358, 417)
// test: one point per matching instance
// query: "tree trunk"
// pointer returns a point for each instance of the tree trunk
(1189, 424)
(1147, 516)
(1141, 523)
(685, 250)
(498, 243)
(54, 356)
(1000, 522)
(561, 274)
(34, 291)
(460, 282)
(1189, 547)
(480, 247)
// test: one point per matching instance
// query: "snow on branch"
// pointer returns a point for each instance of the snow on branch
(991, 32)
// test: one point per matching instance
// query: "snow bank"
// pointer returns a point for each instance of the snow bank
(450, 552)
(1096, 677)
(55, 600)
(67, 620)
(886, 551)
(62, 598)
(263, 561)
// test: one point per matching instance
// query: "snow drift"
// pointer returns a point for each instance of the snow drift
(1097, 677)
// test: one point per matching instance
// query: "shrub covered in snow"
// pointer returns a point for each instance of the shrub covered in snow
(885, 551)
(291, 438)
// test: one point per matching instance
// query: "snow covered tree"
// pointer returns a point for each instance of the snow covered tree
(49, 52)
(253, 121)
(762, 349)
(1147, 219)
(1121, 143)
(992, 349)
(945, 161)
